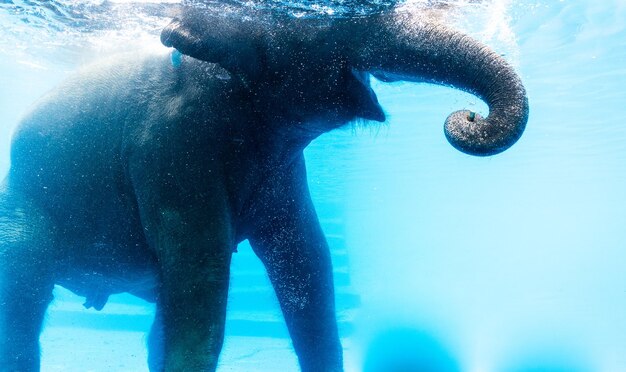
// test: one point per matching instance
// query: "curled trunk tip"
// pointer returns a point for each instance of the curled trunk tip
(472, 134)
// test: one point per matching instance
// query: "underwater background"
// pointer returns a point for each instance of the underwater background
(443, 261)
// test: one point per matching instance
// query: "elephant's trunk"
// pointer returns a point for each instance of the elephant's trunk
(430, 52)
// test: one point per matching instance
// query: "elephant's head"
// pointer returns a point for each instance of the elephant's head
(317, 70)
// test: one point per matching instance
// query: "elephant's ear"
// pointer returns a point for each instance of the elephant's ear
(363, 97)
(220, 39)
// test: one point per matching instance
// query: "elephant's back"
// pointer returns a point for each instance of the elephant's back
(66, 152)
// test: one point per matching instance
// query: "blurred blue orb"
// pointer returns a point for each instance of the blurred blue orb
(407, 350)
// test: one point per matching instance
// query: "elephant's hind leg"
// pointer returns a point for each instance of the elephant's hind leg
(25, 281)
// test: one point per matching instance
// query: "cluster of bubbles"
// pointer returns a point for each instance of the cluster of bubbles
(50, 29)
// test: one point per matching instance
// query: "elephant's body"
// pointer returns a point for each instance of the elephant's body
(80, 153)
(141, 175)
(104, 158)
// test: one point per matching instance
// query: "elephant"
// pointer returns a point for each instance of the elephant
(143, 172)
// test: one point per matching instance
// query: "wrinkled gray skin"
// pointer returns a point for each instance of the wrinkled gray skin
(139, 176)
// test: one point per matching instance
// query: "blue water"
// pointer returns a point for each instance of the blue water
(511, 263)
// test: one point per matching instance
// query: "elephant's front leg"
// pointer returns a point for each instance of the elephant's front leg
(193, 296)
(194, 251)
(291, 244)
